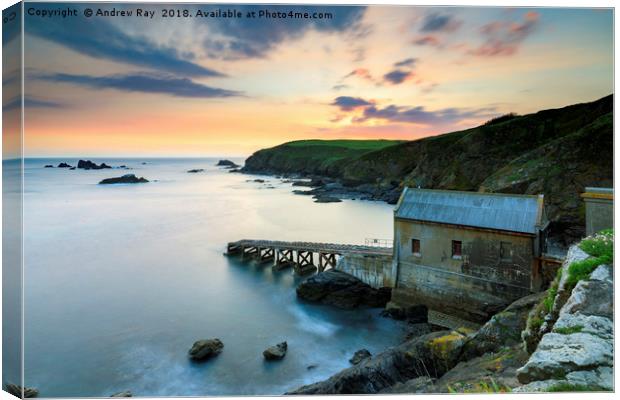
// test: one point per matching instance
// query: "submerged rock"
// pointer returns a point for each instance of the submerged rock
(87, 164)
(276, 352)
(64, 165)
(227, 164)
(129, 178)
(206, 348)
(360, 356)
(16, 390)
(194, 171)
(341, 290)
(126, 393)
(417, 314)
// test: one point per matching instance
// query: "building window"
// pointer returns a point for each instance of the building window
(415, 246)
(457, 247)
(505, 251)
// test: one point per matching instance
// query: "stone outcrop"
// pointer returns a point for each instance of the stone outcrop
(128, 178)
(87, 164)
(276, 352)
(126, 393)
(64, 165)
(360, 356)
(205, 349)
(579, 349)
(227, 164)
(341, 290)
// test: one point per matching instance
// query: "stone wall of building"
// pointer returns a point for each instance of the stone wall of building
(599, 209)
(376, 271)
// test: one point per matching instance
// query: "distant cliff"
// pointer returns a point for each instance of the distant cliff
(555, 152)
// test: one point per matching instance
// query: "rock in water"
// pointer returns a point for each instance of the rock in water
(63, 165)
(360, 356)
(126, 393)
(194, 171)
(342, 290)
(129, 178)
(49, 166)
(417, 314)
(206, 348)
(326, 199)
(227, 164)
(87, 164)
(276, 352)
(16, 390)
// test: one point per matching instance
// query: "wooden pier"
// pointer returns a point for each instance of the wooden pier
(299, 255)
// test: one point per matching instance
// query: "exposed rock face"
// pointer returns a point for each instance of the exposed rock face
(502, 330)
(419, 357)
(360, 356)
(341, 290)
(129, 178)
(64, 165)
(87, 164)
(422, 384)
(194, 171)
(227, 164)
(204, 349)
(126, 393)
(276, 352)
(417, 314)
(579, 350)
(16, 390)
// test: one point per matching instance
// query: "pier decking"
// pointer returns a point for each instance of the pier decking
(299, 255)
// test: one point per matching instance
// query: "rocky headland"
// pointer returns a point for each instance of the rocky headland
(557, 152)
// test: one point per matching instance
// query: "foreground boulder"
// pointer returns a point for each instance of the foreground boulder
(341, 290)
(87, 164)
(205, 349)
(129, 178)
(276, 352)
(16, 390)
(360, 356)
(227, 164)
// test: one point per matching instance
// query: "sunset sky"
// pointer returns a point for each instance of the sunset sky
(204, 87)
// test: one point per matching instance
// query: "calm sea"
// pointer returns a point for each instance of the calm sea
(120, 280)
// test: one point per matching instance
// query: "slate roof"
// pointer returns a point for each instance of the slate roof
(505, 212)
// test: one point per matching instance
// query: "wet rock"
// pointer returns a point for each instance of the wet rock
(195, 171)
(227, 164)
(341, 290)
(276, 352)
(64, 165)
(72, 168)
(399, 364)
(360, 356)
(129, 178)
(326, 199)
(303, 192)
(235, 170)
(49, 166)
(16, 390)
(311, 367)
(205, 349)
(259, 180)
(417, 314)
(87, 164)
(126, 393)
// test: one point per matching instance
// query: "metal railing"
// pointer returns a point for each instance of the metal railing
(374, 242)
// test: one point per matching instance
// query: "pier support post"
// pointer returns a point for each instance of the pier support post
(283, 259)
(305, 262)
(326, 260)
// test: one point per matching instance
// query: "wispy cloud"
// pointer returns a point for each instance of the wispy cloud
(362, 73)
(420, 115)
(428, 40)
(503, 38)
(398, 76)
(348, 103)
(143, 82)
(436, 22)
(30, 102)
(408, 62)
(95, 37)
(243, 38)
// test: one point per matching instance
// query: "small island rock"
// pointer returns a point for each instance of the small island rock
(49, 166)
(194, 171)
(87, 164)
(227, 164)
(326, 199)
(276, 352)
(129, 178)
(206, 348)
(360, 356)
(64, 165)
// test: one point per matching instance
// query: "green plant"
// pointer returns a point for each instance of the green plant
(569, 329)
(601, 247)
